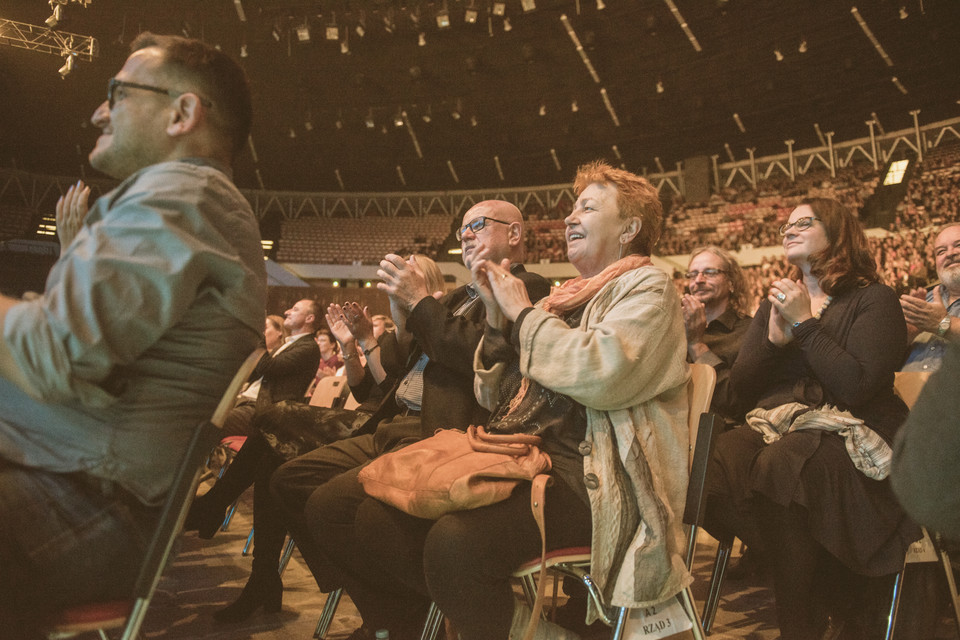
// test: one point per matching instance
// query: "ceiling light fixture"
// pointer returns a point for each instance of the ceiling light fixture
(778, 55)
(543, 109)
(499, 8)
(67, 67)
(57, 14)
(528, 5)
(369, 120)
(659, 86)
(803, 46)
(443, 17)
(903, 13)
(506, 25)
(422, 39)
(333, 31)
(574, 107)
(303, 32)
(471, 14)
(600, 5)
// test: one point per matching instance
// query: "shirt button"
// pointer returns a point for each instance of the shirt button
(591, 481)
(585, 448)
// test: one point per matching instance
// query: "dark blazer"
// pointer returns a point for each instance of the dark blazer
(287, 375)
(450, 342)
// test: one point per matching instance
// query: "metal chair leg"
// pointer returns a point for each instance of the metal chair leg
(431, 627)
(620, 624)
(246, 545)
(716, 580)
(894, 606)
(229, 516)
(285, 558)
(951, 582)
(326, 616)
(529, 586)
(686, 599)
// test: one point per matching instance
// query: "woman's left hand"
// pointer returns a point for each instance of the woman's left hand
(791, 299)
(510, 292)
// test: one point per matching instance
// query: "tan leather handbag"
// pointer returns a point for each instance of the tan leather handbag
(453, 471)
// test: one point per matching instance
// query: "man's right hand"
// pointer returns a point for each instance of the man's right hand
(72, 208)
(402, 280)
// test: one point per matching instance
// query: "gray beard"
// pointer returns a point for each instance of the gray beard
(951, 278)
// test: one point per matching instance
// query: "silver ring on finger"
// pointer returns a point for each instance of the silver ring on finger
(781, 297)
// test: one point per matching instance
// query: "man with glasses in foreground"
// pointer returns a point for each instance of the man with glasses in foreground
(156, 299)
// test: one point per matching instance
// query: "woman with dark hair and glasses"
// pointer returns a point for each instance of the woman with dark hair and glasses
(804, 482)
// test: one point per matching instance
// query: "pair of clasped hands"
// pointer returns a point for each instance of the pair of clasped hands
(790, 304)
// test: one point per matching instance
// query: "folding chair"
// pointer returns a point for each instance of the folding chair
(129, 613)
(331, 392)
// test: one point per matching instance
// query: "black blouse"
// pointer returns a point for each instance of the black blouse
(847, 358)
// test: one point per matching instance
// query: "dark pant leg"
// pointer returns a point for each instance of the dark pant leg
(64, 540)
(239, 421)
(730, 509)
(294, 482)
(798, 564)
(332, 514)
(470, 555)
(242, 472)
(270, 531)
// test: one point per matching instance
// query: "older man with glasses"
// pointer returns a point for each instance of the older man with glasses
(157, 297)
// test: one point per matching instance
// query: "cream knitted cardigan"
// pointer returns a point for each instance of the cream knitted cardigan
(626, 363)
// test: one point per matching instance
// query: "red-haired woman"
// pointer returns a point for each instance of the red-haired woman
(818, 365)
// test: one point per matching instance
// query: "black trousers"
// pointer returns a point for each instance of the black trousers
(393, 564)
(294, 482)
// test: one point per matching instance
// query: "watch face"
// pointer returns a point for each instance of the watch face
(944, 325)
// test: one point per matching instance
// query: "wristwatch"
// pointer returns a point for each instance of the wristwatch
(944, 326)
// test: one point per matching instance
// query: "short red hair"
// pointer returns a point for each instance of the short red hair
(636, 198)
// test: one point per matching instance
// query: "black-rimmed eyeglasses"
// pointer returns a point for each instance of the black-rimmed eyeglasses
(800, 223)
(476, 225)
(115, 84)
(706, 273)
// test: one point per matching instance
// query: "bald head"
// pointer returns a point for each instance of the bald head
(501, 232)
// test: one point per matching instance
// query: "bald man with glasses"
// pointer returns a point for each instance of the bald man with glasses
(156, 299)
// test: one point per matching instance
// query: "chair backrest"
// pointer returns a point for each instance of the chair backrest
(331, 391)
(704, 427)
(703, 378)
(908, 384)
(181, 494)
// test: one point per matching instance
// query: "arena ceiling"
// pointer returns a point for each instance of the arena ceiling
(507, 100)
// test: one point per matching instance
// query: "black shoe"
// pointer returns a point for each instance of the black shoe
(263, 589)
(205, 516)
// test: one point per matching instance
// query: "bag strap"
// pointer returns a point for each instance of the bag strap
(537, 499)
(507, 438)
(506, 444)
